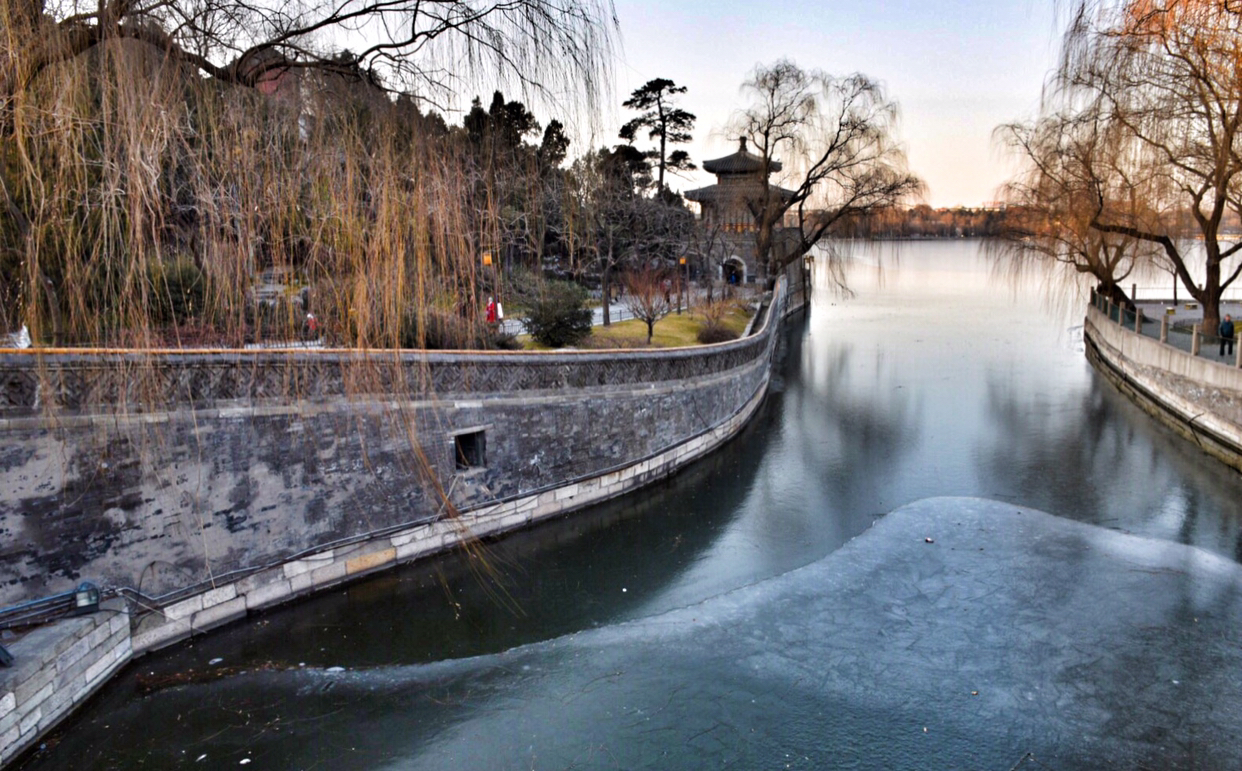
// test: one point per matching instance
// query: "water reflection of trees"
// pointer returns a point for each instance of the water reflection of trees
(851, 434)
(1106, 462)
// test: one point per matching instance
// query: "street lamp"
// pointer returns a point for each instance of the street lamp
(685, 286)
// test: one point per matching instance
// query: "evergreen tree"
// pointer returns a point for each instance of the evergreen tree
(663, 121)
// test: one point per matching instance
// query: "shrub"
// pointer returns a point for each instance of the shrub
(178, 289)
(715, 333)
(555, 316)
(442, 331)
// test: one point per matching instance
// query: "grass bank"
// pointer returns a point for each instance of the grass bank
(673, 331)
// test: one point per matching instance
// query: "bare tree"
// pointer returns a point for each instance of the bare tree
(648, 295)
(835, 141)
(604, 198)
(1163, 78)
(704, 247)
(624, 227)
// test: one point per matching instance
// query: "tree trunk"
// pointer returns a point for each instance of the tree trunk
(1211, 293)
(1211, 311)
(650, 330)
(660, 184)
(763, 246)
(53, 310)
(605, 287)
(1114, 293)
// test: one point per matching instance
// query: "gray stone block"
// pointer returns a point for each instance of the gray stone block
(27, 692)
(218, 595)
(328, 574)
(262, 596)
(219, 613)
(8, 742)
(158, 636)
(260, 579)
(30, 722)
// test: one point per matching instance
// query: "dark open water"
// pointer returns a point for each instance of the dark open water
(935, 379)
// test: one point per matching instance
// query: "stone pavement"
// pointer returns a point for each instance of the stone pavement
(1185, 313)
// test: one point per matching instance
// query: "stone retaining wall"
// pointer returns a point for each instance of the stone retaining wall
(172, 474)
(56, 668)
(327, 567)
(1198, 398)
(208, 485)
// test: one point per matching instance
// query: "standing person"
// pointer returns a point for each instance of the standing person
(491, 311)
(1226, 335)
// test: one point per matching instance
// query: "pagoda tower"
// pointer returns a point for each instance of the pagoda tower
(729, 205)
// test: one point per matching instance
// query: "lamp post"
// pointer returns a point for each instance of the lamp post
(685, 287)
(486, 259)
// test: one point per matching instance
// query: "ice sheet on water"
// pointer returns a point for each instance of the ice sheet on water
(1013, 631)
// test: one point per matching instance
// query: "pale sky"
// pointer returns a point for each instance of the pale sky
(958, 69)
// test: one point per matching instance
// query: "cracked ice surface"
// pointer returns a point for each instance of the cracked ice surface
(1086, 648)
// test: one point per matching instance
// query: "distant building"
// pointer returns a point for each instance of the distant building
(729, 205)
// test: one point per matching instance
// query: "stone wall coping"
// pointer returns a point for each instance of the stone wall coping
(120, 382)
(376, 355)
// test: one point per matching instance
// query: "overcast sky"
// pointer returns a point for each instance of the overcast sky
(958, 69)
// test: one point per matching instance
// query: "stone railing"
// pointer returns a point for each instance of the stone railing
(115, 381)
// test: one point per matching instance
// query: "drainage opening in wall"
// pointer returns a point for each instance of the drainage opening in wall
(470, 450)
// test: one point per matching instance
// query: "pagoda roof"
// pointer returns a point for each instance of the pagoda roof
(730, 192)
(741, 162)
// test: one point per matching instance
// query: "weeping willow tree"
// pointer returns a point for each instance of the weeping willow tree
(1152, 90)
(832, 141)
(158, 157)
(203, 173)
(1070, 179)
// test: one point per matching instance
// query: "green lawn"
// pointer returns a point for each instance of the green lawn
(673, 331)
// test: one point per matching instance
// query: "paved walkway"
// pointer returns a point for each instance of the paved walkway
(1182, 314)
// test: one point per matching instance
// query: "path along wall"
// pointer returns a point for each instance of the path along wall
(1198, 398)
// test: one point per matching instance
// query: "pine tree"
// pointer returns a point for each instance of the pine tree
(664, 121)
